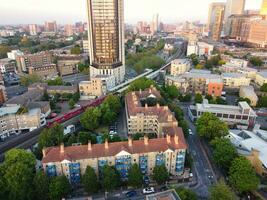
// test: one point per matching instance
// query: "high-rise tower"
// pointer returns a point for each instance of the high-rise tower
(106, 38)
(233, 7)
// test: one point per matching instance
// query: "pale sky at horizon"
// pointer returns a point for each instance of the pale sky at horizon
(70, 11)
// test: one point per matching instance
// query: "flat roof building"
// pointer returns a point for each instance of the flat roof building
(180, 66)
(261, 78)
(165, 195)
(248, 92)
(235, 80)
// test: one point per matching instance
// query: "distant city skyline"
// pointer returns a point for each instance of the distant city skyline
(70, 11)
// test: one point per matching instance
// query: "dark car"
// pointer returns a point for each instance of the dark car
(131, 193)
(163, 188)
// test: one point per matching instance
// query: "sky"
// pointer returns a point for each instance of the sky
(70, 11)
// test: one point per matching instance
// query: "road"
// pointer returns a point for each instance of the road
(202, 167)
(76, 78)
(15, 90)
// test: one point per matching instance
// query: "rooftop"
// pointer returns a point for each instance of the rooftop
(180, 61)
(166, 195)
(74, 153)
(9, 110)
(233, 75)
(263, 74)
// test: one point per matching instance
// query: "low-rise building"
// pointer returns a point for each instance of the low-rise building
(165, 195)
(252, 145)
(7, 65)
(68, 64)
(61, 89)
(242, 115)
(200, 49)
(248, 92)
(96, 87)
(3, 96)
(157, 119)
(72, 161)
(180, 66)
(248, 72)
(197, 81)
(261, 78)
(45, 71)
(235, 80)
(14, 121)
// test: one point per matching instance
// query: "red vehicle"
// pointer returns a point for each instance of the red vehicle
(76, 111)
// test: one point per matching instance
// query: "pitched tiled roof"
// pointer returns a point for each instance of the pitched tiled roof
(74, 153)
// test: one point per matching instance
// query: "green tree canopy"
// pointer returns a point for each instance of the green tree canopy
(4, 49)
(186, 194)
(141, 83)
(210, 127)
(111, 178)
(89, 180)
(59, 188)
(223, 152)
(256, 61)
(264, 87)
(30, 79)
(242, 175)
(262, 103)
(135, 178)
(198, 98)
(56, 81)
(160, 174)
(90, 119)
(71, 103)
(221, 191)
(41, 186)
(172, 91)
(76, 50)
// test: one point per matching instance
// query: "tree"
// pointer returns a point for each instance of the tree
(137, 136)
(56, 81)
(135, 178)
(262, 102)
(84, 137)
(141, 83)
(221, 62)
(220, 101)
(210, 127)
(256, 61)
(240, 99)
(41, 186)
(71, 103)
(89, 180)
(186, 194)
(30, 79)
(59, 187)
(184, 125)
(160, 174)
(76, 50)
(4, 49)
(264, 87)
(72, 139)
(113, 102)
(194, 58)
(90, 119)
(198, 98)
(242, 175)
(199, 66)
(4, 190)
(221, 191)
(111, 178)
(223, 152)
(172, 91)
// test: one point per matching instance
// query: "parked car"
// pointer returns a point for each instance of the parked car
(131, 193)
(146, 180)
(190, 132)
(148, 190)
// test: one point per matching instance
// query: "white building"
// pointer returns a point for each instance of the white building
(235, 80)
(107, 56)
(261, 78)
(200, 49)
(14, 53)
(242, 115)
(248, 92)
(180, 66)
(248, 72)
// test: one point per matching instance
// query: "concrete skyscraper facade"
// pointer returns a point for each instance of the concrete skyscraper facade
(106, 38)
(233, 7)
(264, 8)
(215, 20)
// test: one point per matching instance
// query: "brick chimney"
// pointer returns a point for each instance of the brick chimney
(169, 118)
(168, 138)
(89, 145)
(158, 106)
(146, 106)
(130, 141)
(140, 91)
(176, 139)
(62, 148)
(106, 144)
(146, 140)
(165, 107)
(44, 152)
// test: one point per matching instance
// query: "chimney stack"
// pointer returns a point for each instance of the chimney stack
(169, 118)
(44, 152)
(62, 148)
(176, 139)
(89, 145)
(106, 144)
(146, 106)
(158, 106)
(146, 140)
(140, 91)
(130, 141)
(168, 137)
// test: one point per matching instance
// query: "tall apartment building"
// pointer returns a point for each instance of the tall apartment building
(148, 153)
(263, 10)
(106, 38)
(68, 28)
(24, 62)
(155, 24)
(240, 26)
(258, 33)
(14, 121)
(233, 7)
(33, 29)
(51, 26)
(180, 66)
(215, 20)
(197, 81)
(149, 119)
